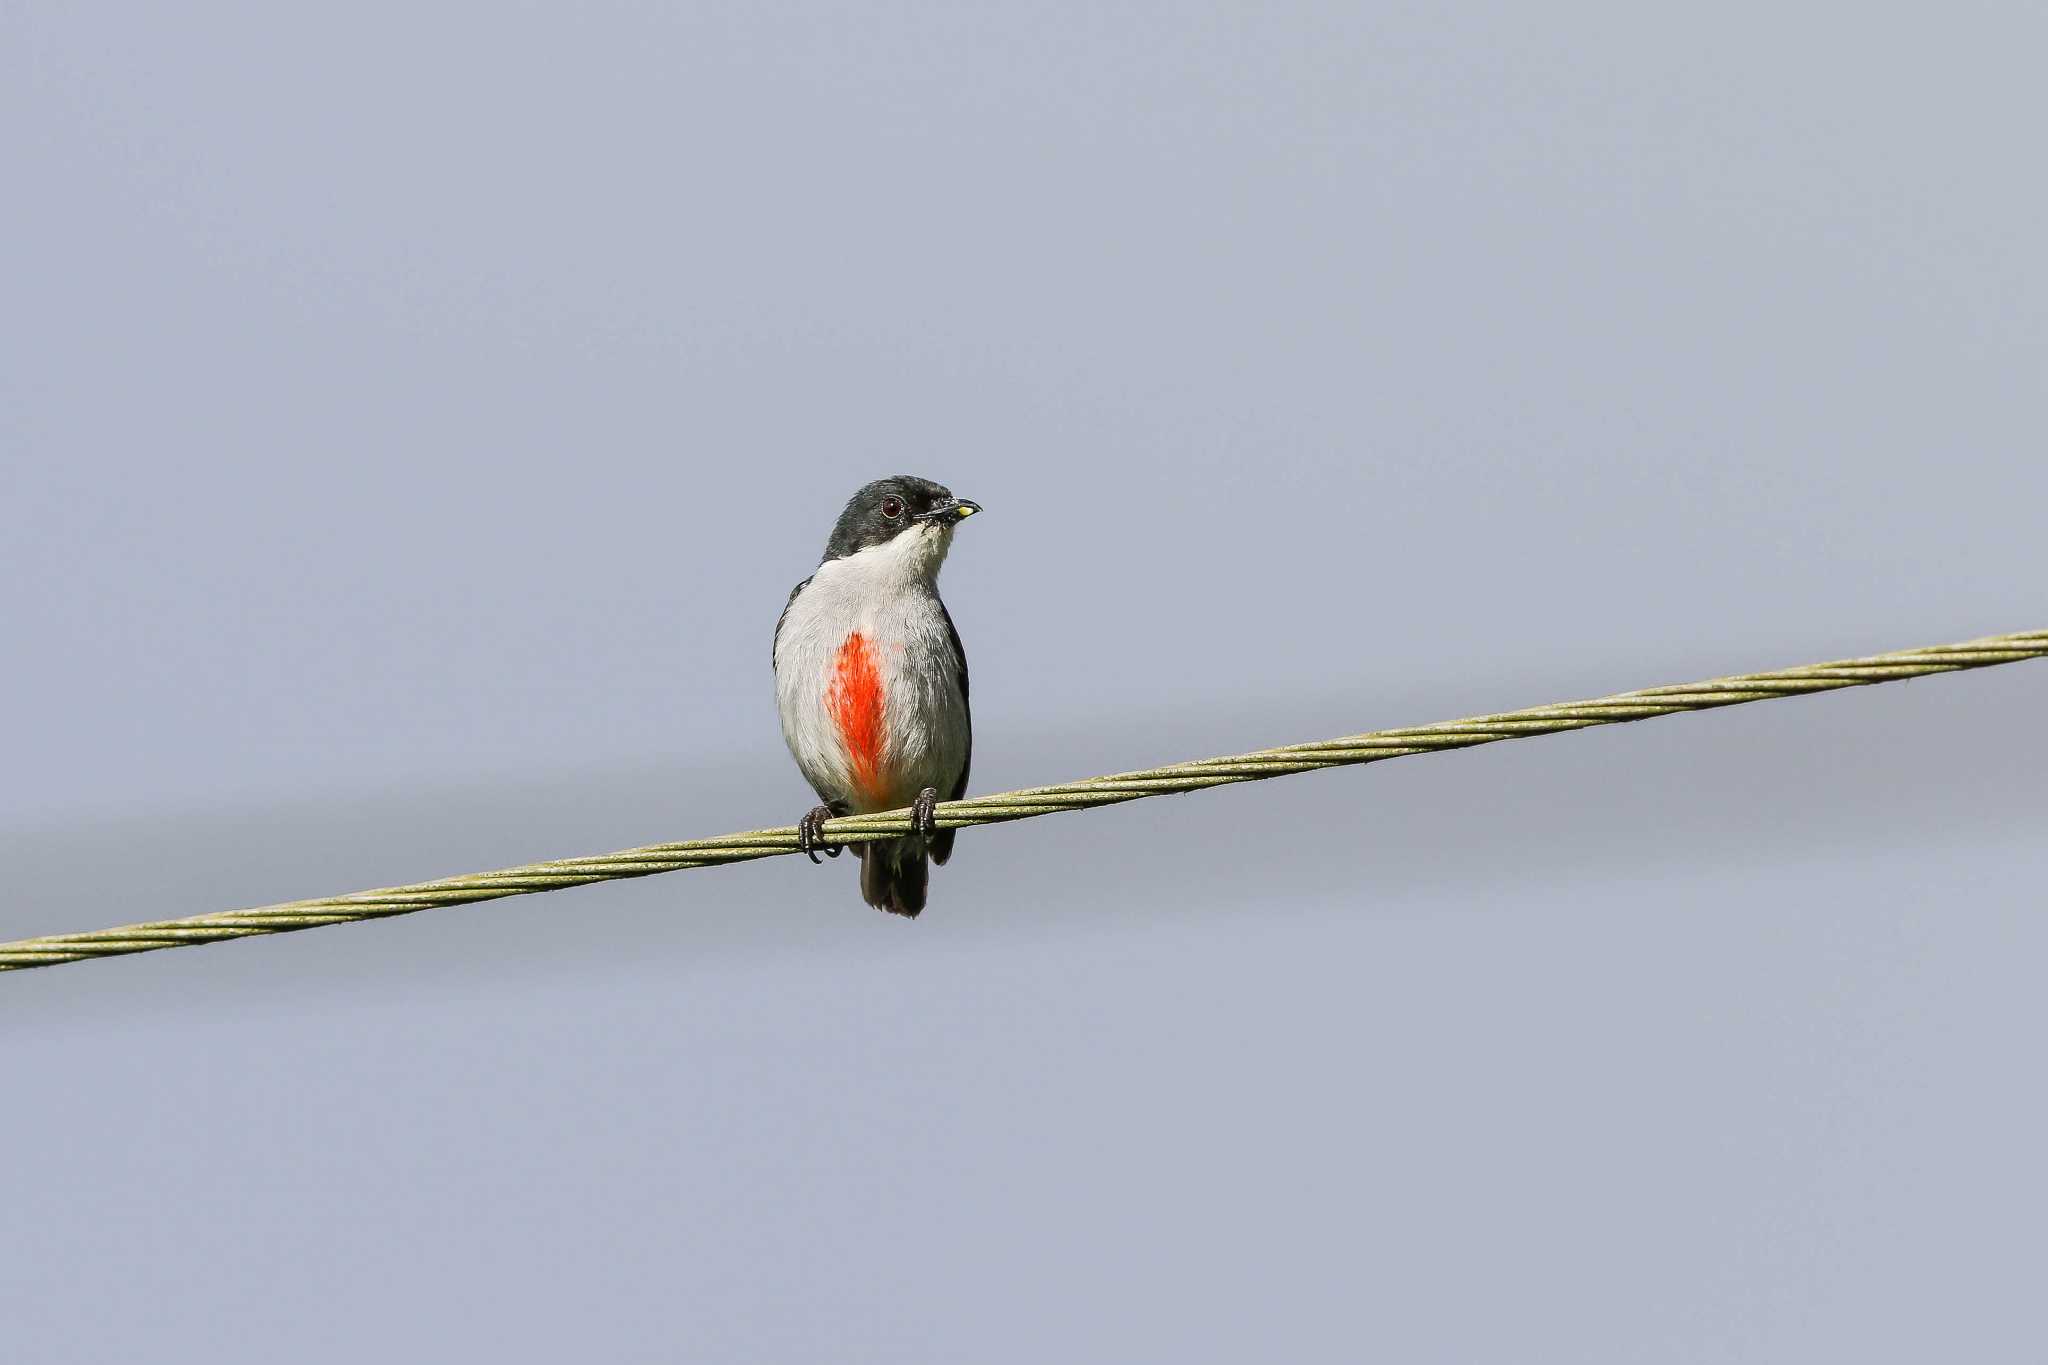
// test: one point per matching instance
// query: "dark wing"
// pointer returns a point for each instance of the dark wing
(785, 615)
(942, 842)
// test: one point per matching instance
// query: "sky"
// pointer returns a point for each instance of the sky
(413, 421)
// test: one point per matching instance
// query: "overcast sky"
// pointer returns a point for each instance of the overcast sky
(413, 419)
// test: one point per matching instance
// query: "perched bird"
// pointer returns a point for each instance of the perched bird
(871, 682)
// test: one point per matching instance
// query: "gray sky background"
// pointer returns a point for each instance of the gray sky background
(413, 420)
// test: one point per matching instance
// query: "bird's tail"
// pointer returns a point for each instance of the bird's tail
(893, 875)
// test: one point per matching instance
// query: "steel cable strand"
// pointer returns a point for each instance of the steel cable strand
(1196, 775)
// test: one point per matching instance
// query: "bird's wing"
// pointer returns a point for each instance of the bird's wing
(942, 842)
(785, 616)
(960, 666)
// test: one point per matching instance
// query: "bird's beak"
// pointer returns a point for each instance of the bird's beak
(951, 512)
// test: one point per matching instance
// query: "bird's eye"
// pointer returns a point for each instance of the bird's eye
(892, 508)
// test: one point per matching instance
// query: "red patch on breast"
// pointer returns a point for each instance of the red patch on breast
(855, 700)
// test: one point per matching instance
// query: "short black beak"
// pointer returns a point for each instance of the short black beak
(952, 511)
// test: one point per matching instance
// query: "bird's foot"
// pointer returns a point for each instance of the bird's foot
(923, 812)
(810, 834)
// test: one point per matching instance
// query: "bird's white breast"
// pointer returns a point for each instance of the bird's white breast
(886, 596)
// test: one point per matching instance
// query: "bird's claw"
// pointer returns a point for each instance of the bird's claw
(810, 834)
(923, 812)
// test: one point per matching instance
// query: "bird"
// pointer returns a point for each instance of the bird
(871, 682)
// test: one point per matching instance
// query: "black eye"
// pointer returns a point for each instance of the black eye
(892, 507)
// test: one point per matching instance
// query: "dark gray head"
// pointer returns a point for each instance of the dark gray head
(886, 508)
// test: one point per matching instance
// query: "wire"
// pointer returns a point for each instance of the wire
(1034, 801)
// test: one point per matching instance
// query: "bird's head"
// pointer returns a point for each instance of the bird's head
(901, 518)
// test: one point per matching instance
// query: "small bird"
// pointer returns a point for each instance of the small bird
(871, 682)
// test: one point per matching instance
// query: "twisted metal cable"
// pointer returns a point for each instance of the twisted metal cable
(1023, 805)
